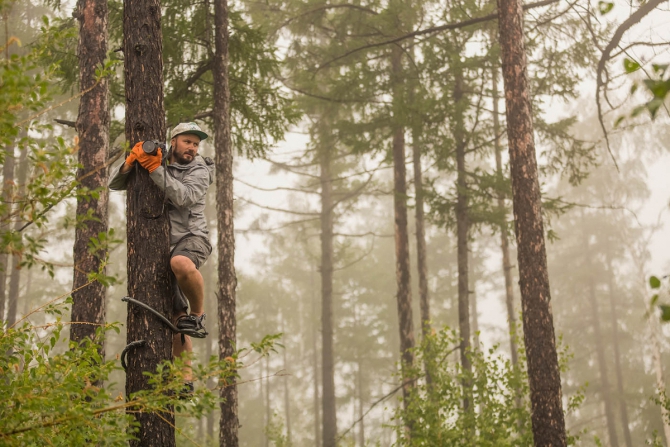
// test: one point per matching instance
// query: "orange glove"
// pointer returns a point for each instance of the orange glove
(150, 162)
(132, 157)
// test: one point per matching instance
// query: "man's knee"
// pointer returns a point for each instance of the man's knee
(182, 266)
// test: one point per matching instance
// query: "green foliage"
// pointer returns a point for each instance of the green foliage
(60, 397)
(656, 285)
(498, 395)
(499, 412)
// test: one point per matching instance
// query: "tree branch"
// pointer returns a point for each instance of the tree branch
(433, 30)
(636, 17)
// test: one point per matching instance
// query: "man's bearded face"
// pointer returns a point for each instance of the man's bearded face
(185, 148)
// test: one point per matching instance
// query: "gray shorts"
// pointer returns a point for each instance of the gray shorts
(197, 249)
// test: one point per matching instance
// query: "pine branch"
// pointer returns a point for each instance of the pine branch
(433, 30)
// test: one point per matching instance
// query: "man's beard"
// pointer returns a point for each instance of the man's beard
(181, 159)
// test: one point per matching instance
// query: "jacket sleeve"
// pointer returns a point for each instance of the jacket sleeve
(183, 194)
(118, 181)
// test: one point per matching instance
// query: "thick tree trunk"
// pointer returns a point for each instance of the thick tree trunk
(15, 273)
(502, 209)
(404, 296)
(7, 186)
(93, 129)
(623, 411)
(229, 423)
(327, 355)
(543, 372)
(148, 237)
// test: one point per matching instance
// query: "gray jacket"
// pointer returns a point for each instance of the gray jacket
(185, 187)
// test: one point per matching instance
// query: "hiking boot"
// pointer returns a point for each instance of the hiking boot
(192, 325)
(187, 391)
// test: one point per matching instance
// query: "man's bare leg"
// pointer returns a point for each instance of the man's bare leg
(190, 282)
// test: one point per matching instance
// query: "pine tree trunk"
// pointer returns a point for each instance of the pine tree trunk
(229, 423)
(422, 267)
(623, 411)
(315, 365)
(462, 229)
(474, 311)
(148, 237)
(543, 372)
(360, 418)
(7, 185)
(287, 391)
(602, 367)
(15, 273)
(502, 209)
(328, 357)
(403, 277)
(93, 129)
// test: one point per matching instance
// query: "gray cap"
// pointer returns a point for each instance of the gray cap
(192, 128)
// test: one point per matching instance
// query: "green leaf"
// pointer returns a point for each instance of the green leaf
(665, 312)
(633, 88)
(654, 300)
(605, 7)
(630, 65)
(619, 121)
(659, 69)
(654, 282)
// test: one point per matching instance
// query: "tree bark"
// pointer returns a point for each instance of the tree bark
(328, 403)
(623, 411)
(93, 129)
(229, 423)
(543, 372)
(502, 209)
(148, 224)
(658, 370)
(7, 186)
(403, 278)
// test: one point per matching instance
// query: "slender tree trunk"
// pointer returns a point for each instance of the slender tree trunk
(93, 129)
(315, 364)
(462, 230)
(287, 392)
(602, 367)
(229, 424)
(359, 388)
(15, 275)
(502, 209)
(268, 410)
(327, 354)
(543, 371)
(623, 411)
(474, 311)
(403, 277)
(148, 237)
(7, 186)
(422, 267)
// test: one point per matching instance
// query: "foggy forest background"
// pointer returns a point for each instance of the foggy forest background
(604, 221)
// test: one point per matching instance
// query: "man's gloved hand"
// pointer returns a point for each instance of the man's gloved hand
(150, 162)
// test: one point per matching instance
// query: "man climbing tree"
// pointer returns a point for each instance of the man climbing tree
(184, 179)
